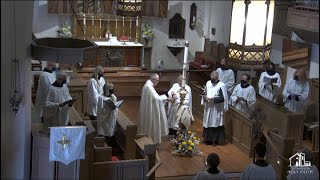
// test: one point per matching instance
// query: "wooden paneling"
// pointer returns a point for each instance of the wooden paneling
(301, 19)
(132, 58)
(155, 8)
(314, 90)
(298, 58)
(280, 19)
(207, 47)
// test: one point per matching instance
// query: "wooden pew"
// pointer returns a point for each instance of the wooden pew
(102, 152)
(125, 134)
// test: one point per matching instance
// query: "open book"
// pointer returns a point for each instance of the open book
(71, 101)
(270, 80)
(112, 105)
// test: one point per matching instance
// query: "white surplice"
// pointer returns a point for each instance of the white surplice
(228, 78)
(254, 171)
(247, 93)
(173, 108)
(214, 112)
(107, 118)
(205, 175)
(52, 113)
(95, 89)
(152, 116)
(266, 90)
(299, 88)
(45, 81)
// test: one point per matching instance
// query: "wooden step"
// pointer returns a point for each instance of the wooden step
(111, 69)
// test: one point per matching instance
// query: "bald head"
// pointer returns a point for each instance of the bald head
(154, 78)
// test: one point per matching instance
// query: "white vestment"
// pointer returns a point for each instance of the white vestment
(214, 112)
(95, 89)
(53, 114)
(205, 175)
(153, 119)
(254, 172)
(267, 90)
(299, 88)
(247, 93)
(107, 118)
(227, 77)
(303, 173)
(173, 108)
(45, 81)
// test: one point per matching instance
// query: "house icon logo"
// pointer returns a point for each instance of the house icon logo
(298, 159)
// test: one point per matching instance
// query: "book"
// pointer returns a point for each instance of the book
(270, 80)
(112, 105)
(71, 101)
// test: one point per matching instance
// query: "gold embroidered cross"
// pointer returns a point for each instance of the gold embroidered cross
(64, 141)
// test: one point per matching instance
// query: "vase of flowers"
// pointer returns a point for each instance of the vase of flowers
(147, 35)
(64, 31)
(185, 144)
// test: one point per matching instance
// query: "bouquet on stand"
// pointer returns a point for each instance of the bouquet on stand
(185, 144)
(64, 31)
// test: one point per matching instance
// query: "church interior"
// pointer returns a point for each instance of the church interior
(133, 39)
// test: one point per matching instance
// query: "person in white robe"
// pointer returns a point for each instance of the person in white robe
(243, 97)
(260, 169)
(269, 83)
(46, 78)
(212, 172)
(152, 116)
(215, 104)
(174, 103)
(56, 111)
(95, 89)
(306, 172)
(107, 116)
(226, 76)
(296, 91)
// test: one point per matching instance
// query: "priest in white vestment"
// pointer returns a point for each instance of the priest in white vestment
(174, 103)
(226, 76)
(95, 89)
(269, 83)
(215, 105)
(107, 116)
(152, 117)
(56, 111)
(46, 78)
(260, 169)
(243, 97)
(296, 91)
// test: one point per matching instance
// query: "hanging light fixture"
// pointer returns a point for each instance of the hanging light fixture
(15, 94)
(129, 7)
(250, 34)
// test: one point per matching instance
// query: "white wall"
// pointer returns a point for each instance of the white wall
(16, 130)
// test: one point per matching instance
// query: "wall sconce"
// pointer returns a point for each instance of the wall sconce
(129, 7)
(250, 33)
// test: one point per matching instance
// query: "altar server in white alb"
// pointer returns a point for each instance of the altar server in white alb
(226, 76)
(95, 89)
(56, 111)
(107, 116)
(295, 92)
(152, 116)
(243, 97)
(173, 104)
(215, 105)
(269, 83)
(46, 78)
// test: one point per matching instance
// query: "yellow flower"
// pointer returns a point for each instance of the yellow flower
(179, 139)
(189, 132)
(184, 143)
(189, 141)
(194, 138)
(192, 144)
(190, 148)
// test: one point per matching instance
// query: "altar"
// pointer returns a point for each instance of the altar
(113, 53)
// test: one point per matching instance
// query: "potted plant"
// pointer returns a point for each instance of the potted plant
(64, 31)
(147, 34)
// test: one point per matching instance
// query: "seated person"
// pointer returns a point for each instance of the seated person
(213, 162)
(106, 115)
(260, 169)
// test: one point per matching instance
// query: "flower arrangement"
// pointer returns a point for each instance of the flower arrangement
(147, 32)
(186, 143)
(64, 31)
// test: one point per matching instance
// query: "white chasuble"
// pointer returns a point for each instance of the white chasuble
(214, 112)
(298, 88)
(227, 77)
(67, 143)
(267, 90)
(95, 89)
(249, 94)
(152, 116)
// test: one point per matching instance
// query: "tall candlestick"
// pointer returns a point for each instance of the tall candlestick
(137, 21)
(123, 21)
(84, 19)
(184, 67)
(92, 22)
(108, 22)
(130, 29)
(100, 23)
(116, 24)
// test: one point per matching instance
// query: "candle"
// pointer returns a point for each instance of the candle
(123, 21)
(92, 21)
(100, 23)
(116, 24)
(137, 21)
(184, 67)
(84, 19)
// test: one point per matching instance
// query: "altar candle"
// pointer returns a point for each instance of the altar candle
(137, 21)
(84, 19)
(116, 24)
(184, 67)
(100, 23)
(123, 21)
(92, 21)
